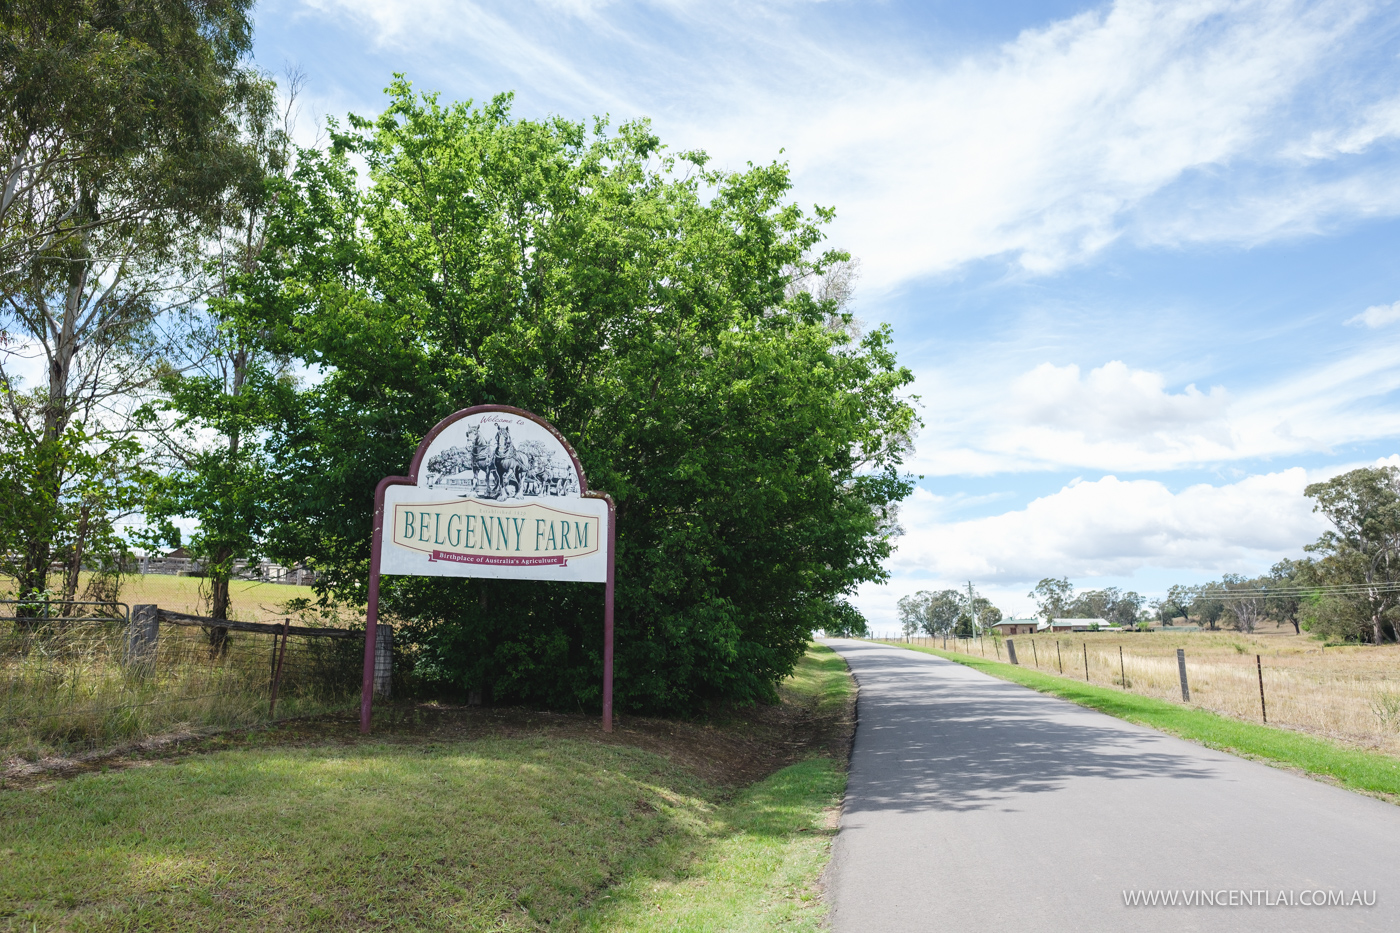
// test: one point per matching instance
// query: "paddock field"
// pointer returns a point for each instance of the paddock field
(1349, 693)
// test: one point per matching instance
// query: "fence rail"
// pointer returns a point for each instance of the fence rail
(77, 682)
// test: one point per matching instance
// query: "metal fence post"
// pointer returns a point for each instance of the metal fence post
(142, 637)
(1011, 651)
(1181, 669)
(1263, 710)
(1086, 662)
(277, 672)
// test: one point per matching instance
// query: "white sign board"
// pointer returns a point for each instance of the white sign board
(495, 494)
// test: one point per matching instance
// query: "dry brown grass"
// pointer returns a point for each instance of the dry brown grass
(1348, 693)
(67, 686)
(252, 601)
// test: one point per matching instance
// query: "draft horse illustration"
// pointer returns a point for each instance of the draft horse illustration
(509, 466)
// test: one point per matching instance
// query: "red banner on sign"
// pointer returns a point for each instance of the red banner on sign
(498, 561)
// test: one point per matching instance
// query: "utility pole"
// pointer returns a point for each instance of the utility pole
(972, 609)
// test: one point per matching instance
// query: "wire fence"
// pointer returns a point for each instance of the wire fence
(99, 676)
(1349, 693)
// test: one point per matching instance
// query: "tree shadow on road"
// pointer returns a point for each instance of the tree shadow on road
(935, 735)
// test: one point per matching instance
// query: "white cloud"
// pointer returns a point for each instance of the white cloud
(1112, 527)
(1044, 148)
(1118, 418)
(1378, 315)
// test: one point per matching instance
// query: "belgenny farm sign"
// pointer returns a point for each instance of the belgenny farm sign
(496, 492)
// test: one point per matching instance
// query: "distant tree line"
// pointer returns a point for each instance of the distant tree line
(960, 613)
(1055, 599)
(1347, 589)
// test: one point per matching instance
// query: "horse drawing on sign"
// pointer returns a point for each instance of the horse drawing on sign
(482, 459)
(508, 465)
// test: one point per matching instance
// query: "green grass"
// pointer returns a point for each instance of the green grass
(483, 835)
(756, 870)
(1358, 769)
(757, 865)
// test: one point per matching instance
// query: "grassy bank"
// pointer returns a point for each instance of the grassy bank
(429, 833)
(1373, 772)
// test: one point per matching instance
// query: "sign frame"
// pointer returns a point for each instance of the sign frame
(377, 545)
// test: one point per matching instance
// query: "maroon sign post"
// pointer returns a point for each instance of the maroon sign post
(493, 491)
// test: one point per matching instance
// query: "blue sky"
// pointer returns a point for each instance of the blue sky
(1143, 257)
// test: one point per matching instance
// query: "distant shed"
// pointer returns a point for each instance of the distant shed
(1016, 626)
(1076, 625)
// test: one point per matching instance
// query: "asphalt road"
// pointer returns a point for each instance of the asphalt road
(975, 804)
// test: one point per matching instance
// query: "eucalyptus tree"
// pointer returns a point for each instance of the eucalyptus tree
(1248, 600)
(216, 407)
(116, 144)
(1364, 547)
(913, 612)
(1283, 584)
(1053, 596)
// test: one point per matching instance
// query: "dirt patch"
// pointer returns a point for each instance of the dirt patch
(732, 748)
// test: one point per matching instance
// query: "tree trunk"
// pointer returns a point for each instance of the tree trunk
(47, 482)
(219, 568)
(75, 561)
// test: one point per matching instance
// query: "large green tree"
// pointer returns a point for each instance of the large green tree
(115, 146)
(210, 424)
(1364, 549)
(656, 311)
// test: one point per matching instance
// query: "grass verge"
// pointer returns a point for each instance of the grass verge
(427, 833)
(1357, 769)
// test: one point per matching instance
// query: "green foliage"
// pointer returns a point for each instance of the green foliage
(65, 494)
(212, 421)
(116, 144)
(1364, 508)
(839, 619)
(662, 316)
(113, 105)
(946, 612)
(1052, 597)
(1337, 619)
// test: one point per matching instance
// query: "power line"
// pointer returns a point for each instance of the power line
(1326, 589)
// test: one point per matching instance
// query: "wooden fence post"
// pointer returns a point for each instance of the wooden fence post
(1011, 651)
(384, 661)
(142, 638)
(1181, 669)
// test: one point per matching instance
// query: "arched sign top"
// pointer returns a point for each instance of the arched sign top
(498, 452)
